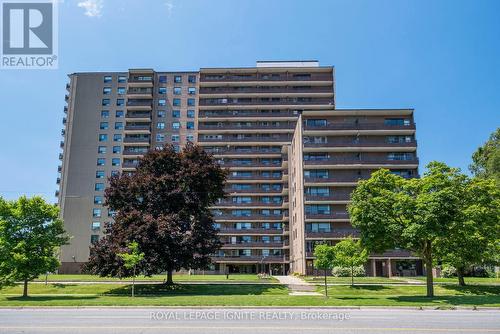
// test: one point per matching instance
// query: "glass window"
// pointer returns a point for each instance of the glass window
(108, 78)
(192, 78)
(105, 102)
(94, 238)
(115, 173)
(104, 125)
(177, 91)
(117, 137)
(191, 90)
(103, 137)
(190, 138)
(162, 90)
(190, 125)
(176, 113)
(101, 161)
(106, 90)
(101, 149)
(176, 102)
(117, 149)
(104, 113)
(162, 102)
(115, 162)
(160, 137)
(177, 78)
(96, 225)
(160, 125)
(98, 200)
(316, 122)
(191, 102)
(99, 186)
(121, 90)
(161, 113)
(100, 174)
(118, 125)
(175, 138)
(120, 102)
(190, 114)
(162, 78)
(96, 213)
(176, 125)
(119, 114)
(122, 79)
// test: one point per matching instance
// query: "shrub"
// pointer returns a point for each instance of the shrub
(448, 272)
(346, 271)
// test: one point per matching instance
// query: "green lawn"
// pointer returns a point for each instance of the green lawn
(357, 280)
(177, 278)
(468, 280)
(245, 295)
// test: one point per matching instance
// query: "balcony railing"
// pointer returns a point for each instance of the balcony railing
(223, 77)
(362, 161)
(142, 103)
(251, 204)
(138, 115)
(265, 89)
(137, 127)
(225, 126)
(254, 177)
(331, 215)
(332, 197)
(252, 244)
(246, 139)
(336, 233)
(284, 101)
(251, 164)
(252, 259)
(135, 140)
(361, 143)
(240, 231)
(254, 216)
(254, 190)
(244, 113)
(353, 178)
(359, 126)
(225, 150)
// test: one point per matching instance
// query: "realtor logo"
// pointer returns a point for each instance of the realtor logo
(29, 34)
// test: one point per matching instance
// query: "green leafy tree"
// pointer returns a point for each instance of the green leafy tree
(30, 235)
(324, 260)
(486, 159)
(350, 254)
(474, 234)
(413, 214)
(131, 259)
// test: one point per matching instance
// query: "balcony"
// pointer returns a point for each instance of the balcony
(243, 152)
(362, 143)
(58, 180)
(359, 161)
(254, 190)
(345, 179)
(250, 231)
(135, 140)
(336, 233)
(223, 139)
(242, 245)
(140, 103)
(65, 109)
(66, 97)
(358, 126)
(229, 164)
(248, 205)
(64, 121)
(139, 92)
(332, 215)
(138, 115)
(275, 77)
(130, 164)
(254, 217)
(68, 87)
(266, 90)
(232, 126)
(251, 259)
(256, 102)
(254, 178)
(208, 114)
(141, 128)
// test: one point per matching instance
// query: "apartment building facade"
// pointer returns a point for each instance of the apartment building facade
(292, 157)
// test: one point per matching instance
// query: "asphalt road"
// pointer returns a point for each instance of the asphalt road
(255, 321)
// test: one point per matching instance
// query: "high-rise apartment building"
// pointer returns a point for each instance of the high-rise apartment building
(293, 158)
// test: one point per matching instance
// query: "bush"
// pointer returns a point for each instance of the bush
(346, 271)
(448, 272)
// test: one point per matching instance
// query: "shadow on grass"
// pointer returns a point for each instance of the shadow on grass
(369, 287)
(474, 289)
(198, 289)
(476, 300)
(48, 298)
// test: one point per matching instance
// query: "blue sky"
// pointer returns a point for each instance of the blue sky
(440, 57)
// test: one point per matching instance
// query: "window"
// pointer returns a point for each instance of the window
(117, 137)
(160, 125)
(105, 102)
(176, 125)
(121, 90)
(120, 102)
(162, 102)
(115, 173)
(101, 149)
(400, 156)
(104, 126)
(161, 113)
(94, 238)
(176, 113)
(175, 138)
(108, 78)
(316, 122)
(103, 137)
(397, 122)
(119, 114)
(106, 90)
(101, 161)
(318, 209)
(100, 174)
(190, 125)
(191, 102)
(176, 103)
(177, 91)
(122, 79)
(177, 149)
(160, 137)
(99, 187)
(104, 113)
(118, 125)
(316, 173)
(190, 114)
(191, 90)
(192, 78)
(177, 78)
(318, 191)
(190, 138)
(117, 149)
(162, 90)
(98, 200)
(115, 162)
(95, 225)
(162, 78)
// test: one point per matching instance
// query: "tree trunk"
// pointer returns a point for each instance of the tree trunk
(460, 275)
(427, 254)
(352, 276)
(25, 290)
(133, 284)
(326, 286)
(170, 280)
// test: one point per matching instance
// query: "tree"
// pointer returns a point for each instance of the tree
(164, 207)
(413, 214)
(30, 235)
(131, 260)
(324, 259)
(486, 159)
(474, 236)
(350, 254)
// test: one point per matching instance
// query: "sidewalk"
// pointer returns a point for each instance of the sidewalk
(297, 286)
